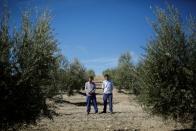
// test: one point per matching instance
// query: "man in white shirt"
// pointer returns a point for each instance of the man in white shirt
(107, 93)
(90, 88)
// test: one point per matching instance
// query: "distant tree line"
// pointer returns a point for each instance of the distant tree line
(32, 69)
(165, 77)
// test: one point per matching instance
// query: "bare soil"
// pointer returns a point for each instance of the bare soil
(128, 116)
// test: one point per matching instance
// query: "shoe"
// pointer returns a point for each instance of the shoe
(102, 112)
(87, 113)
(96, 112)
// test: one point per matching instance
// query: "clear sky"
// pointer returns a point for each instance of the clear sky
(98, 31)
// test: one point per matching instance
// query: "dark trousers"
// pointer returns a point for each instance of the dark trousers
(105, 98)
(92, 99)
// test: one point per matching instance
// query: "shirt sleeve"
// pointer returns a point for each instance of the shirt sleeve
(86, 87)
(112, 85)
(103, 85)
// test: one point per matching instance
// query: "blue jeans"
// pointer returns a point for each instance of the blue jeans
(92, 99)
(105, 98)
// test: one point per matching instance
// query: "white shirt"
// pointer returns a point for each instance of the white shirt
(107, 87)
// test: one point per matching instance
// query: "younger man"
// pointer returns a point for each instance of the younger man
(107, 93)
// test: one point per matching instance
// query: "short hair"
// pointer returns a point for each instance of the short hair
(91, 77)
(106, 75)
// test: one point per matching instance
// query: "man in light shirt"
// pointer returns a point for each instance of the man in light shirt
(107, 93)
(90, 88)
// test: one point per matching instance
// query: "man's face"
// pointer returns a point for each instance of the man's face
(106, 78)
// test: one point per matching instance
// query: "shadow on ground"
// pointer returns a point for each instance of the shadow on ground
(194, 121)
(84, 94)
(60, 101)
(75, 103)
(193, 128)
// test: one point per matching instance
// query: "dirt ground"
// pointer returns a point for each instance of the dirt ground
(128, 116)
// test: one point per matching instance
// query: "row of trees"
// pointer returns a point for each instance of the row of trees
(32, 69)
(165, 78)
(123, 74)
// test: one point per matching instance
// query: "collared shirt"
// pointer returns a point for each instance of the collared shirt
(90, 88)
(107, 87)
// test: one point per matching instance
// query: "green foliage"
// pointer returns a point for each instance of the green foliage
(76, 77)
(29, 65)
(62, 76)
(112, 73)
(167, 74)
(32, 70)
(123, 74)
(90, 73)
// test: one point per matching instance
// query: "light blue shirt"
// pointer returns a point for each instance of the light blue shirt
(107, 87)
(90, 88)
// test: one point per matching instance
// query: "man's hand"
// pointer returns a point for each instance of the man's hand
(91, 93)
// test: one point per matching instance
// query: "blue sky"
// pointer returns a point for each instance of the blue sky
(97, 32)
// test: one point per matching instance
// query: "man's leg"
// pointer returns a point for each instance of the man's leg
(88, 104)
(104, 102)
(110, 103)
(95, 103)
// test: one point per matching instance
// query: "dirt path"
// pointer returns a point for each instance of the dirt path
(128, 115)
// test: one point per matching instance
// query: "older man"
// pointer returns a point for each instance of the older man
(90, 88)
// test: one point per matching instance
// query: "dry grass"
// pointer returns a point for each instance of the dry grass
(128, 115)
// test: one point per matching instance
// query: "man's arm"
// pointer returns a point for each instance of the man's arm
(103, 85)
(85, 87)
(112, 85)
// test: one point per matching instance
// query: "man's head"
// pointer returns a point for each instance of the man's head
(106, 76)
(91, 78)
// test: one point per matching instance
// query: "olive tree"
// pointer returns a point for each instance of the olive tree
(168, 70)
